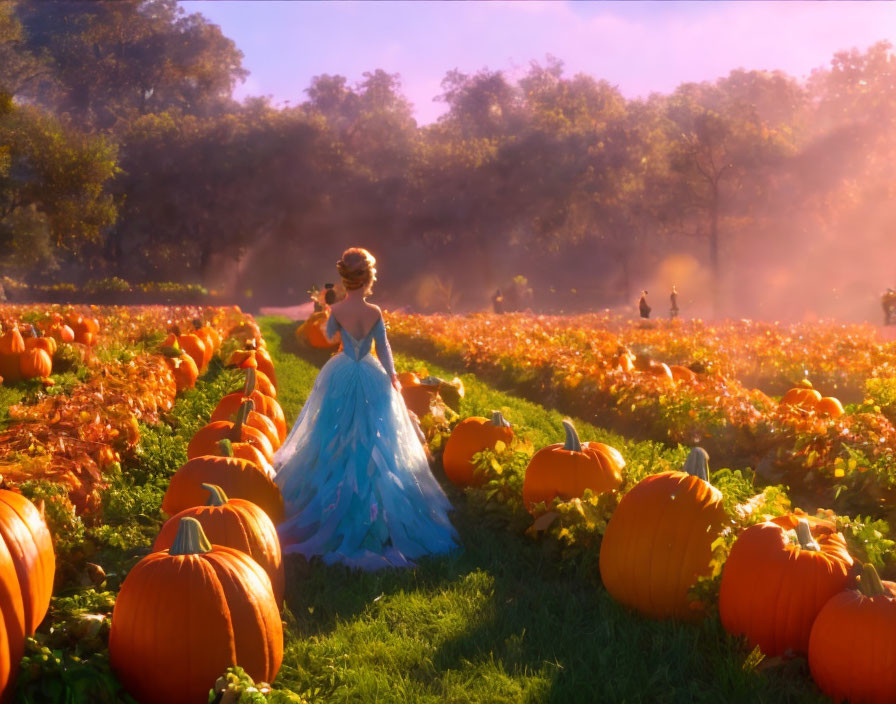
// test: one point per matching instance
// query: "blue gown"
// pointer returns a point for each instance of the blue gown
(355, 479)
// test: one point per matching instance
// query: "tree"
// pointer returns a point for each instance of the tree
(116, 61)
(52, 188)
(721, 150)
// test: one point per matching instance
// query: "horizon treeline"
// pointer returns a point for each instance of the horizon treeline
(123, 153)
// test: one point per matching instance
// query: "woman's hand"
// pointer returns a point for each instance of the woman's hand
(396, 384)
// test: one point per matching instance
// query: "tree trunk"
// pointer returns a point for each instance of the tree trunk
(714, 252)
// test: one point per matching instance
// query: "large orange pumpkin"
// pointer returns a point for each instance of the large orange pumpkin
(190, 344)
(567, 469)
(183, 368)
(470, 436)
(239, 478)
(35, 363)
(238, 524)
(23, 529)
(12, 624)
(205, 441)
(12, 345)
(418, 397)
(851, 648)
(245, 451)
(62, 333)
(35, 339)
(802, 396)
(773, 587)
(313, 331)
(228, 406)
(659, 540)
(185, 615)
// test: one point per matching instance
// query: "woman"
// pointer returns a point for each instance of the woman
(355, 480)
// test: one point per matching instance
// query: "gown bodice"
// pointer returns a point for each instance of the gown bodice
(359, 349)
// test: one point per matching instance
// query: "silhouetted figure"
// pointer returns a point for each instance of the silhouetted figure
(673, 298)
(329, 294)
(888, 300)
(643, 307)
(498, 302)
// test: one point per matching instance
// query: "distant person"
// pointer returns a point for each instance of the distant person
(888, 300)
(498, 302)
(673, 298)
(643, 307)
(329, 294)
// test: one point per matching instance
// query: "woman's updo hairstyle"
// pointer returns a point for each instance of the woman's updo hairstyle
(357, 269)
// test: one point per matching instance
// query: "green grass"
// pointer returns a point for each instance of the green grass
(499, 621)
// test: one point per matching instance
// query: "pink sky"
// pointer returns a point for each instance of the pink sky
(639, 46)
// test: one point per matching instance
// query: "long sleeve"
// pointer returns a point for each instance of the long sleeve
(383, 351)
(332, 327)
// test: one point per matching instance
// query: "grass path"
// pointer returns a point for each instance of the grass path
(498, 621)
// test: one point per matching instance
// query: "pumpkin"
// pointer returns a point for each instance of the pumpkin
(680, 373)
(239, 478)
(183, 368)
(35, 363)
(238, 524)
(247, 331)
(48, 344)
(23, 530)
(408, 379)
(190, 344)
(12, 624)
(12, 345)
(243, 359)
(244, 450)
(265, 364)
(803, 396)
(205, 441)
(185, 615)
(313, 331)
(829, 406)
(229, 405)
(418, 397)
(851, 653)
(85, 329)
(470, 436)
(62, 333)
(567, 469)
(264, 385)
(206, 335)
(773, 588)
(659, 540)
(261, 422)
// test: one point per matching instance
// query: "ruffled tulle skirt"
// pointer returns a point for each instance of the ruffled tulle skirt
(356, 483)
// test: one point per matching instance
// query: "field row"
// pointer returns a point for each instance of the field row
(827, 458)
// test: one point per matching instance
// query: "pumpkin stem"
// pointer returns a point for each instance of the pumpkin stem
(190, 539)
(250, 382)
(804, 535)
(217, 497)
(572, 444)
(242, 415)
(869, 583)
(499, 420)
(225, 447)
(697, 463)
